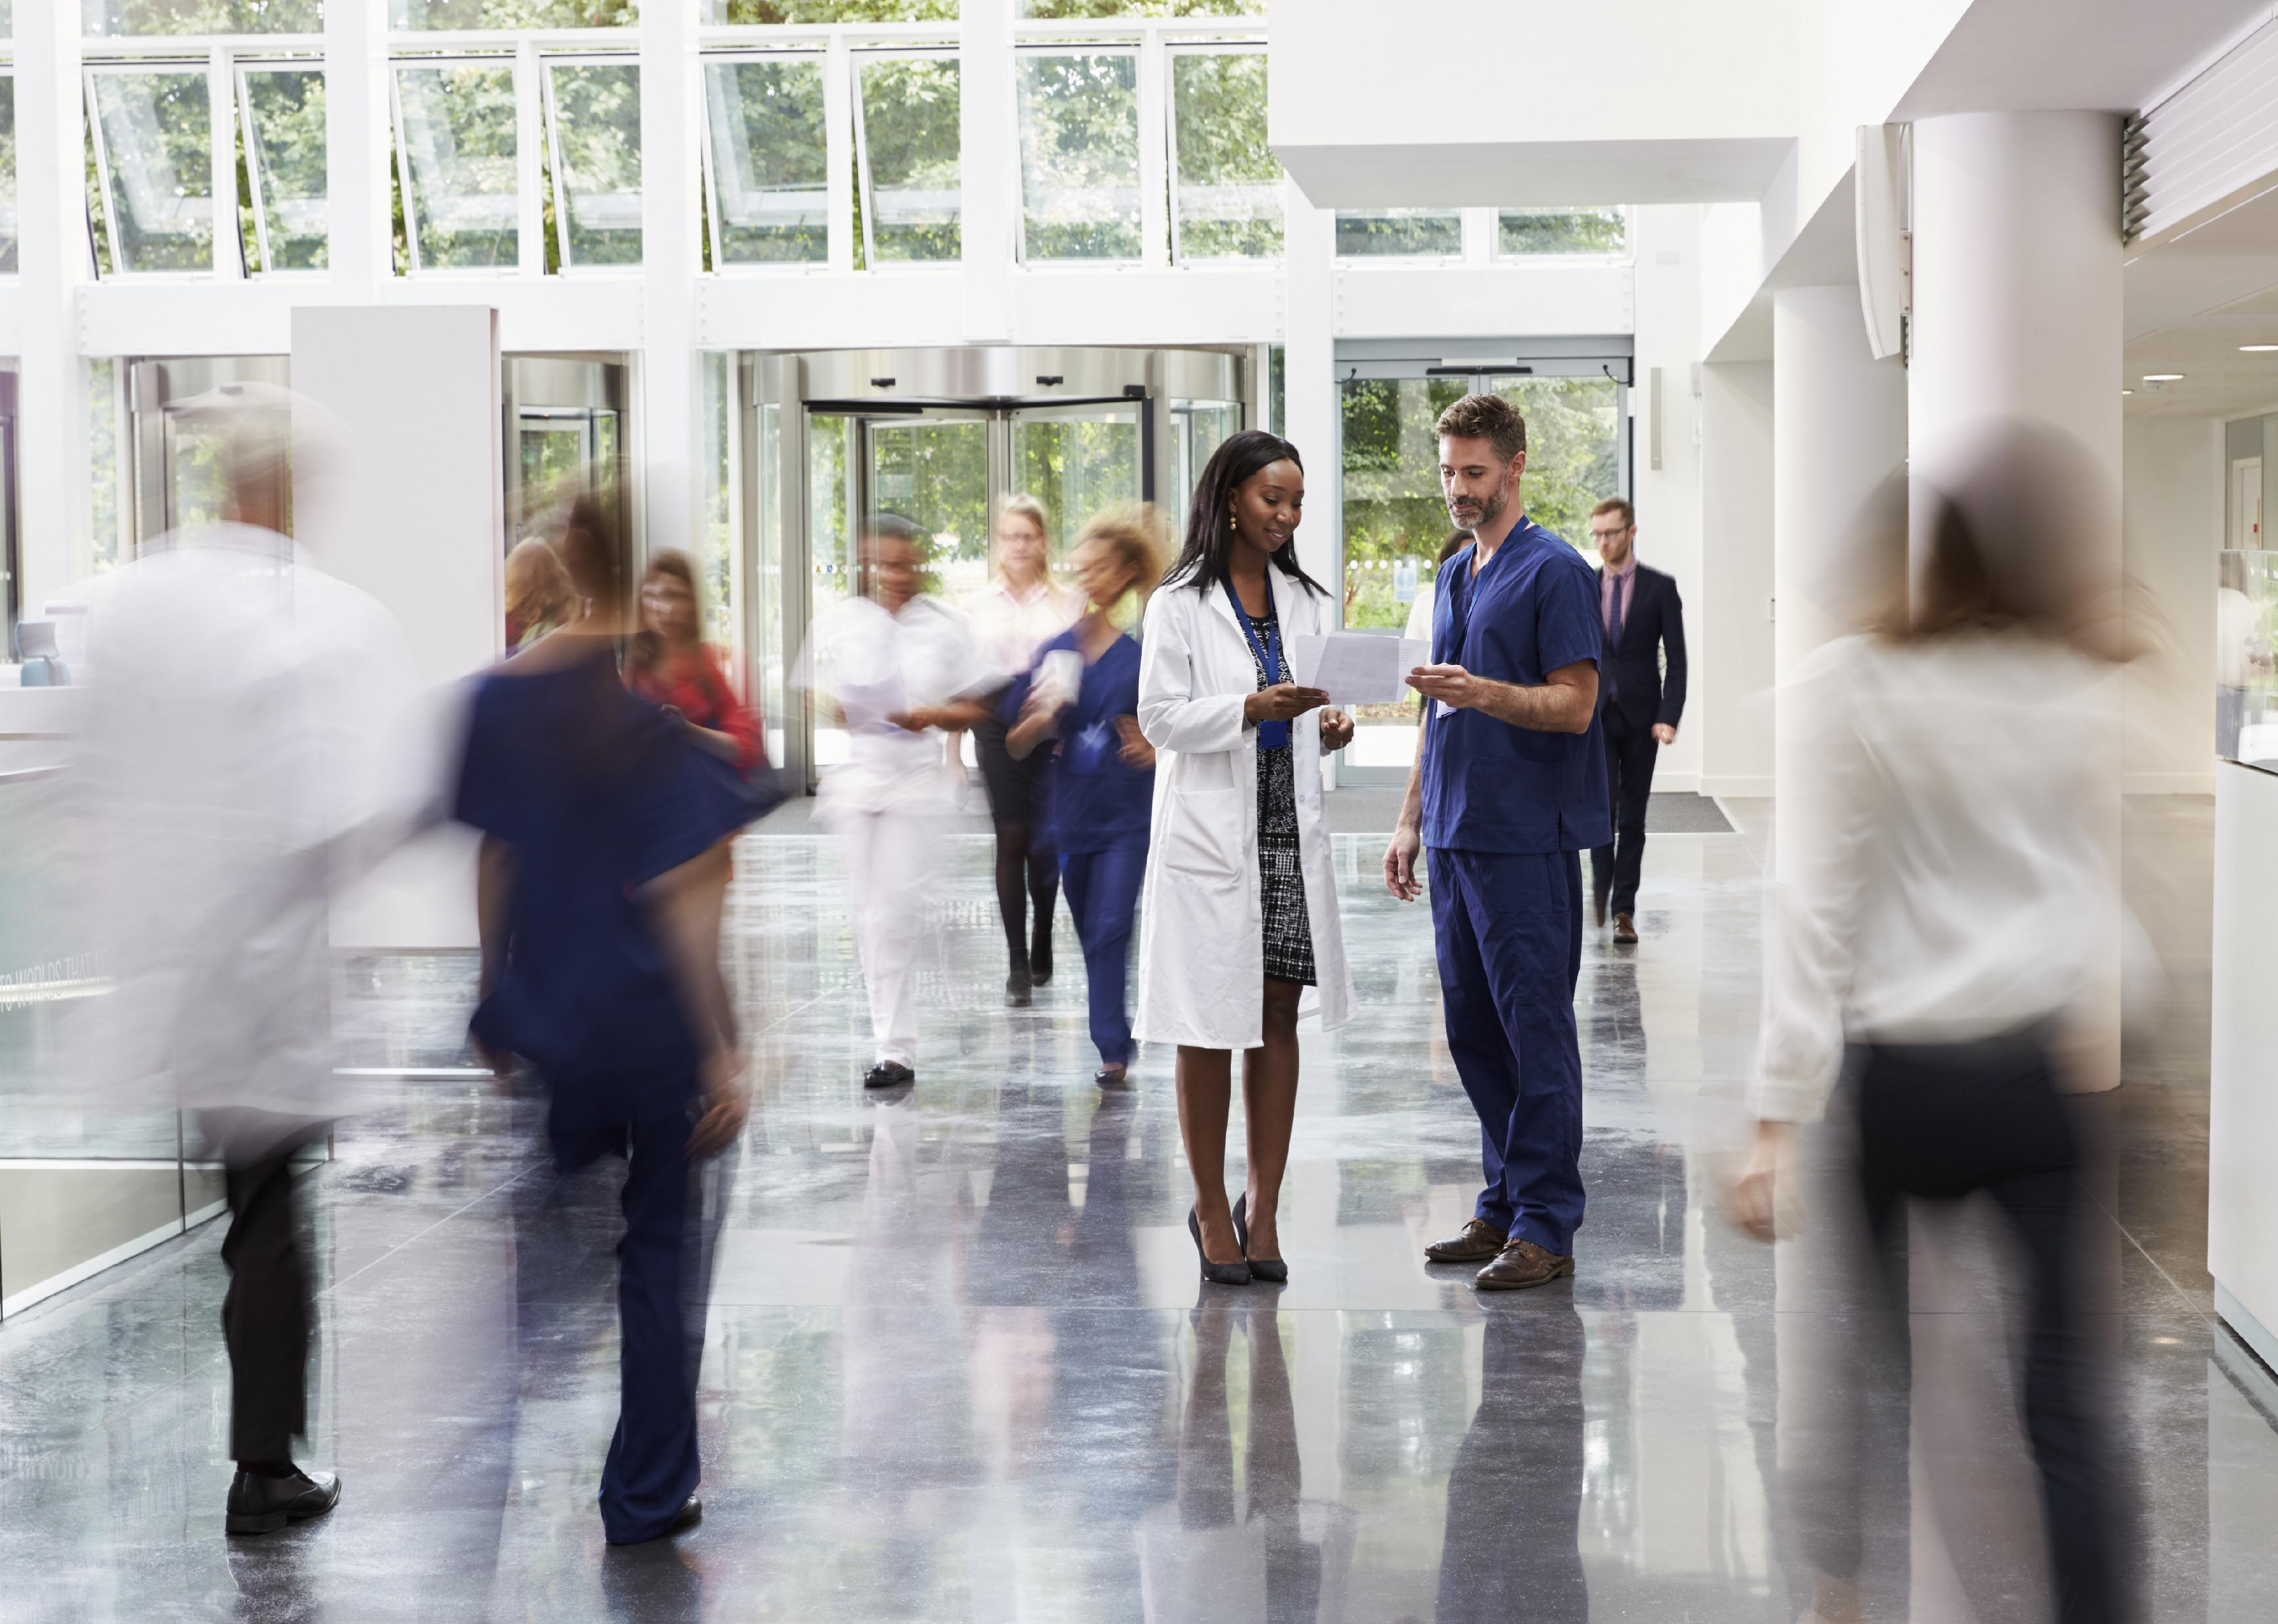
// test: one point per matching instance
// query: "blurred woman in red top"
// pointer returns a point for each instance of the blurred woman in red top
(670, 663)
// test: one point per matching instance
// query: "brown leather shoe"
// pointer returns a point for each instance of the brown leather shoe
(1475, 1240)
(1625, 931)
(1520, 1265)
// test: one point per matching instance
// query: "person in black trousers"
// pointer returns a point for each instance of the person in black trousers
(1638, 704)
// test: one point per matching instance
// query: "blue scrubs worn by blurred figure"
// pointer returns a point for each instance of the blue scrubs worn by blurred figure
(1099, 810)
(597, 792)
(1507, 812)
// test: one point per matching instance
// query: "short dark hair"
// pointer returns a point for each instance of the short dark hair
(1616, 504)
(1489, 417)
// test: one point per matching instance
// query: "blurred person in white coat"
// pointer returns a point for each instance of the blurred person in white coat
(1239, 923)
(900, 667)
(1947, 902)
(244, 760)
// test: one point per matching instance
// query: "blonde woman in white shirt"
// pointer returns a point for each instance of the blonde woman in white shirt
(1018, 612)
(1947, 898)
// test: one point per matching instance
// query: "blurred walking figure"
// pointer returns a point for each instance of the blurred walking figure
(899, 666)
(239, 770)
(1080, 709)
(1948, 896)
(1014, 615)
(604, 827)
(669, 662)
(538, 597)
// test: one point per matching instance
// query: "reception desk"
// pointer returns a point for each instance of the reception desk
(2242, 1058)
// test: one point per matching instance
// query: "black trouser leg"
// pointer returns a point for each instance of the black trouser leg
(1013, 862)
(265, 1316)
(1630, 756)
(1044, 892)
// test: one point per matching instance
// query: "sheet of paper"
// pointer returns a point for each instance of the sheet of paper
(1354, 667)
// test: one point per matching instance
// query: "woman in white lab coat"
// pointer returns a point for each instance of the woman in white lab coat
(1239, 923)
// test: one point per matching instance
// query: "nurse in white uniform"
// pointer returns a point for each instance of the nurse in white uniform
(1239, 928)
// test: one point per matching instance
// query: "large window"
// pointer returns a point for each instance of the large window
(1408, 233)
(1225, 183)
(1561, 231)
(126, 19)
(455, 140)
(907, 141)
(768, 160)
(154, 154)
(497, 14)
(283, 109)
(7, 174)
(592, 116)
(770, 13)
(1079, 155)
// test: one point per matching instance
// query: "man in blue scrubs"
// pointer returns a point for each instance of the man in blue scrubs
(1508, 790)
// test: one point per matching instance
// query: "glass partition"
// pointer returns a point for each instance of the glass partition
(1404, 233)
(1197, 429)
(594, 114)
(284, 113)
(154, 155)
(907, 142)
(1079, 156)
(1561, 231)
(1225, 183)
(455, 132)
(2246, 668)
(767, 161)
(1079, 461)
(7, 174)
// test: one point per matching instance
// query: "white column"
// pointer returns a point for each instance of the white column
(1310, 415)
(671, 107)
(1838, 431)
(2017, 313)
(1731, 638)
(989, 170)
(52, 264)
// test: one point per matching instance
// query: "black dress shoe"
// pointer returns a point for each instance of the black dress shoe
(1217, 1274)
(1017, 988)
(260, 1503)
(690, 1514)
(1111, 1076)
(1273, 1271)
(889, 1074)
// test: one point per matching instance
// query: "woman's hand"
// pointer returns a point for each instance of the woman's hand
(1284, 701)
(1336, 730)
(1137, 753)
(1758, 1200)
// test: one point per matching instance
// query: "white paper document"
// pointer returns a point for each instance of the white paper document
(1356, 667)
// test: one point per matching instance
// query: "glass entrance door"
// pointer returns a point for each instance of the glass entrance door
(564, 440)
(1079, 461)
(1395, 520)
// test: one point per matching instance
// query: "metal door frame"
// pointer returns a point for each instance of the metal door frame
(996, 380)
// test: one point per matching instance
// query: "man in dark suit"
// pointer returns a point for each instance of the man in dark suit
(1638, 704)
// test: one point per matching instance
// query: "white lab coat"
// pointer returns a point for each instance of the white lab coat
(1202, 948)
(251, 748)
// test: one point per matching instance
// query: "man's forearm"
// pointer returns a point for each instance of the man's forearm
(1545, 708)
(1412, 803)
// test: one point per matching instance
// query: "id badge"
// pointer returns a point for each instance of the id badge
(1089, 748)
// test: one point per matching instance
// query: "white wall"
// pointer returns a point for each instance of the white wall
(1734, 639)
(2170, 529)
(1666, 241)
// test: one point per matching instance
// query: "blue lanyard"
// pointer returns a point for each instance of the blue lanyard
(1270, 735)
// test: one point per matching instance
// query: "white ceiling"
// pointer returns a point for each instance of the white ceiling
(2191, 302)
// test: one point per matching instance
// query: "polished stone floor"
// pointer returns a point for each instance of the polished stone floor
(958, 1366)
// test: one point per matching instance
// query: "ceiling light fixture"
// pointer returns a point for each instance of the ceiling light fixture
(2256, 349)
(2163, 377)
(2128, 392)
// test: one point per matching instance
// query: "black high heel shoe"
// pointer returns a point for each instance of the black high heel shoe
(1273, 1271)
(1218, 1274)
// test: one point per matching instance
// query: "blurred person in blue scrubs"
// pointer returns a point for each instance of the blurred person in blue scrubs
(1508, 791)
(249, 754)
(604, 826)
(1101, 790)
(1947, 908)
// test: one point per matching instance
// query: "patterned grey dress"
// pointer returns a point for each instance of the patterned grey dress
(1280, 872)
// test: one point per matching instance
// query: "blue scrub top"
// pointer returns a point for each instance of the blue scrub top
(597, 792)
(1095, 800)
(1490, 787)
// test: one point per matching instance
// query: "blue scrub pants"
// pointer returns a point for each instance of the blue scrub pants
(651, 1464)
(1509, 929)
(1102, 893)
